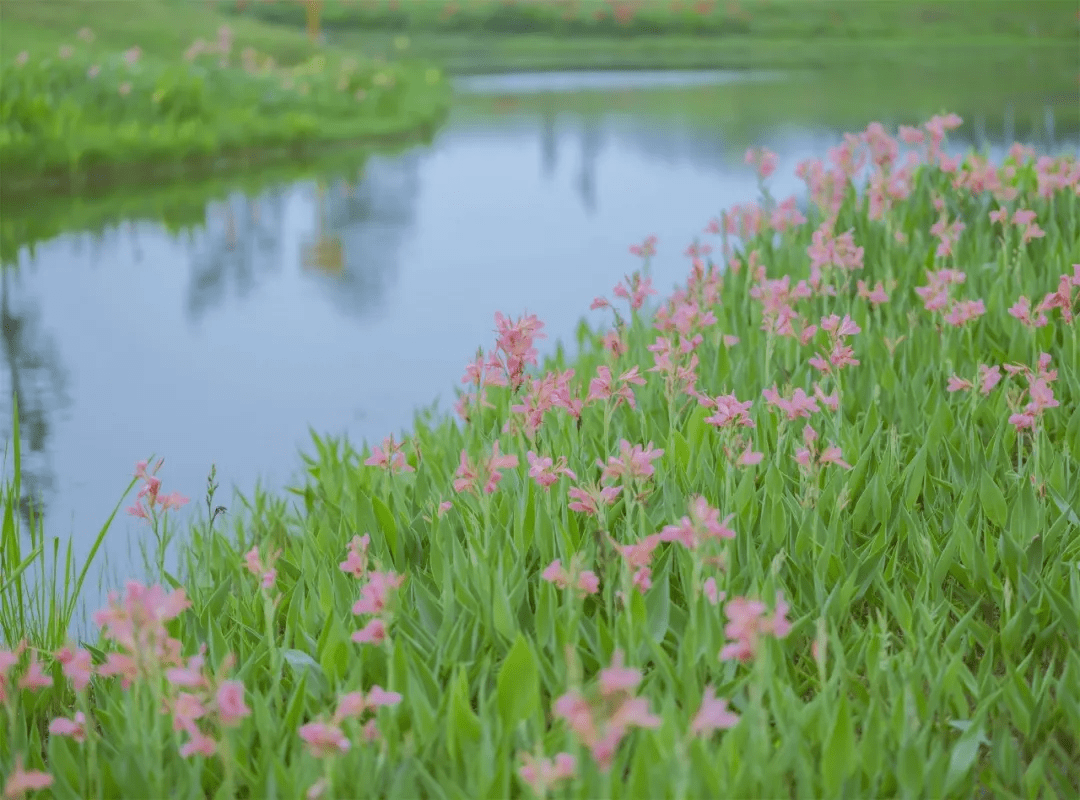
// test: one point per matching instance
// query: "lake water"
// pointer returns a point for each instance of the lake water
(343, 304)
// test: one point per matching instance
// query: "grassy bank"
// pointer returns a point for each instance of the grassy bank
(471, 36)
(942, 20)
(83, 112)
(807, 527)
(995, 105)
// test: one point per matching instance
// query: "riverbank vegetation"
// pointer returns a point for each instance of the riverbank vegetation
(807, 526)
(87, 111)
(503, 35)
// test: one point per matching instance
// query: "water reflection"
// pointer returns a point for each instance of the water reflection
(37, 384)
(238, 247)
(220, 332)
(592, 146)
(547, 83)
(359, 228)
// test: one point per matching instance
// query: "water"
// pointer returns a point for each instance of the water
(340, 305)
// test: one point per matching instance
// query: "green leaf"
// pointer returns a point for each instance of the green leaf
(387, 525)
(518, 686)
(910, 770)
(462, 725)
(838, 760)
(963, 756)
(993, 501)
(915, 478)
(682, 451)
(744, 493)
(658, 606)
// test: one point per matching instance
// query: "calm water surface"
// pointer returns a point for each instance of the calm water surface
(344, 304)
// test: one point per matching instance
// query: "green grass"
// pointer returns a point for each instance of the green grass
(495, 36)
(83, 112)
(932, 576)
(836, 99)
(943, 20)
(40, 583)
(164, 29)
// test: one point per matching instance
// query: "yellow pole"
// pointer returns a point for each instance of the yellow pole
(314, 12)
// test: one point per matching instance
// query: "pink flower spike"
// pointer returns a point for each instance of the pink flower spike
(712, 594)
(22, 781)
(618, 678)
(588, 582)
(713, 715)
(372, 633)
(324, 739)
(77, 664)
(230, 703)
(379, 697)
(75, 728)
(957, 384)
(199, 745)
(554, 573)
(34, 678)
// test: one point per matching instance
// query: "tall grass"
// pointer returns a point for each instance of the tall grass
(40, 583)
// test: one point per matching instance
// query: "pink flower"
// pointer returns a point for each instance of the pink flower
(265, 572)
(150, 491)
(747, 623)
(646, 248)
(469, 475)
(730, 412)
(515, 343)
(372, 633)
(712, 594)
(375, 593)
(763, 160)
(350, 705)
(545, 471)
(800, 404)
(617, 677)
(588, 582)
(749, 457)
(199, 745)
(588, 501)
(356, 562)
(603, 387)
(634, 463)
(389, 457)
(186, 709)
(543, 774)
(75, 728)
(584, 581)
(22, 781)
(713, 715)
(1022, 311)
(989, 377)
(701, 524)
(77, 666)
(324, 739)
(34, 678)
(379, 697)
(635, 289)
(230, 702)
(957, 384)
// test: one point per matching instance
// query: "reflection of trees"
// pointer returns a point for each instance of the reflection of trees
(38, 385)
(592, 143)
(549, 142)
(360, 226)
(240, 243)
